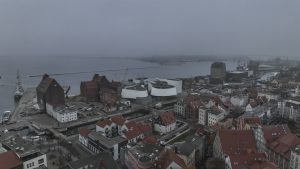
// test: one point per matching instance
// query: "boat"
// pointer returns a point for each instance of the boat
(19, 88)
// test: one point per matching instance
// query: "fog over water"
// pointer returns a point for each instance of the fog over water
(58, 36)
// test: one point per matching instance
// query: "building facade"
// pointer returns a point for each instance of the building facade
(50, 94)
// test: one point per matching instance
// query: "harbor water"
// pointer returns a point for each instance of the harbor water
(85, 68)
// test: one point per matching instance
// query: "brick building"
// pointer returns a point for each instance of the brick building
(50, 94)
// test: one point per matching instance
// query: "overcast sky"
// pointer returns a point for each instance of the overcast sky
(149, 27)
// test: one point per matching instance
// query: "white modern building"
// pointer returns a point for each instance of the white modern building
(34, 160)
(161, 89)
(62, 114)
(134, 92)
(174, 82)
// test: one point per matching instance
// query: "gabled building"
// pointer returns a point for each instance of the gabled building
(133, 131)
(238, 149)
(169, 160)
(165, 122)
(95, 90)
(112, 125)
(50, 94)
(10, 160)
(279, 150)
(247, 123)
(267, 134)
(83, 136)
(278, 142)
(192, 150)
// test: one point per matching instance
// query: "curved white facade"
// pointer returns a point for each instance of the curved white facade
(133, 93)
(174, 82)
(163, 91)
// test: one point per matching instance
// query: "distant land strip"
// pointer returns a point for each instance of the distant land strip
(96, 71)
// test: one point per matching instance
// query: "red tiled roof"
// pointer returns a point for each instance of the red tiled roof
(252, 120)
(284, 144)
(247, 160)
(150, 140)
(133, 133)
(145, 127)
(237, 141)
(273, 132)
(131, 124)
(136, 129)
(118, 119)
(168, 156)
(9, 160)
(84, 132)
(167, 118)
(104, 122)
(264, 165)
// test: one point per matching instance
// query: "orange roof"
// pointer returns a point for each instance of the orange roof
(133, 133)
(131, 124)
(102, 123)
(237, 141)
(284, 144)
(84, 131)
(145, 127)
(9, 160)
(150, 140)
(167, 118)
(118, 119)
(245, 160)
(252, 120)
(273, 132)
(264, 165)
(168, 156)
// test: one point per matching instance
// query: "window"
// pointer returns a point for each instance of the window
(41, 161)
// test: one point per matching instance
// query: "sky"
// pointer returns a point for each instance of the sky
(139, 28)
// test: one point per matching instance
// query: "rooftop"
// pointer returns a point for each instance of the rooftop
(136, 87)
(243, 142)
(146, 152)
(103, 160)
(106, 141)
(9, 160)
(19, 145)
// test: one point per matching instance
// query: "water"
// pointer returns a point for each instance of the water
(34, 66)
